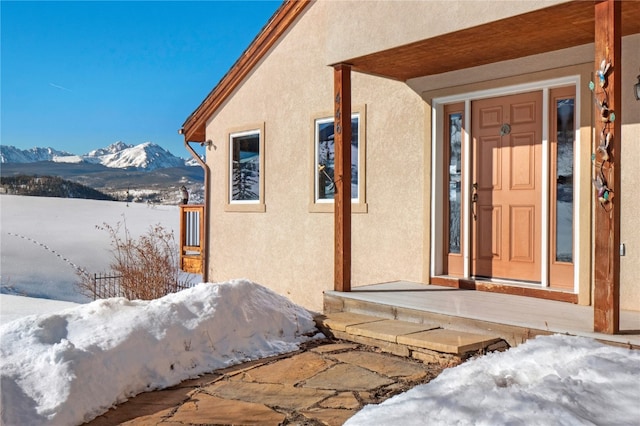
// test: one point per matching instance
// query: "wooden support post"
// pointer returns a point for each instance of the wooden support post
(342, 176)
(606, 303)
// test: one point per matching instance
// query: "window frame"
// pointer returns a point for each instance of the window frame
(359, 204)
(245, 205)
(453, 262)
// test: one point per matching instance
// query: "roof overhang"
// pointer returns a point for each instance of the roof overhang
(193, 128)
(545, 30)
(557, 27)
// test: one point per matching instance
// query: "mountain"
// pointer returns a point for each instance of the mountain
(146, 156)
(155, 186)
(11, 154)
(49, 186)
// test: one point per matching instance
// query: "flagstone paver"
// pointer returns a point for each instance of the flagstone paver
(343, 377)
(290, 371)
(341, 320)
(388, 365)
(343, 400)
(271, 394)
(207, 409)
(388, 330)
(448, 341)
(323, 384)
(330, 417)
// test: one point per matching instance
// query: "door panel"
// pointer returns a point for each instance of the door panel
(522, 235)
(489, 243)
(507, 163)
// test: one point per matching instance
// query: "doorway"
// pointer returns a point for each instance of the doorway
(503, 204)
(507, 187)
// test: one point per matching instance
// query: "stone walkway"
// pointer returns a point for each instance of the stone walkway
(324, 383)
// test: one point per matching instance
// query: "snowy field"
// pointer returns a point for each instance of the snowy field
(63, 363)
(44, 240)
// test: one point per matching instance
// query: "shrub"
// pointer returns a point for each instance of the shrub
(146, 267)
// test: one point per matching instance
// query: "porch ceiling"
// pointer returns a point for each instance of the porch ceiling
(553, 28)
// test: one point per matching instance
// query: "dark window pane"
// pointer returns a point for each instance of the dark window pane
(564, 180)
(455, 174)
(326, 157)
(246, 168)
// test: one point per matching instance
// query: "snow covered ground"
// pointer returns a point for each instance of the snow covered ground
(68, 367)
(553, 380)
(43, 240)
(65, 363)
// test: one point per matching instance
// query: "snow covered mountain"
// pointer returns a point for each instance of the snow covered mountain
(147, 156)
(11, 154)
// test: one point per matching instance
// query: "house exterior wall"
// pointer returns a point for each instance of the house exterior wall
(575, 61)
(288, 248)
(364, 27)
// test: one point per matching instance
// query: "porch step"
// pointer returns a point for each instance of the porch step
(428, 342)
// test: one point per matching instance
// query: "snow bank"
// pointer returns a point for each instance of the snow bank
(552, 380)
(71, 366)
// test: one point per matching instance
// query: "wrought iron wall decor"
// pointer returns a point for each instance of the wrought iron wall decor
(607, 116)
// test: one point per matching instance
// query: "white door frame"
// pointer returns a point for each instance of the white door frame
(438, 173)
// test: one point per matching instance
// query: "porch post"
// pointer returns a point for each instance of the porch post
(342, 176)
(606, 303)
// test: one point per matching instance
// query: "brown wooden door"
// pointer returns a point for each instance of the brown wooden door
(507, 185)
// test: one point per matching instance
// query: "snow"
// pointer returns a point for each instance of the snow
(14, 307)
(44, 240)
(71, 366)
(550, 380)
(147, 155)
(66, 363)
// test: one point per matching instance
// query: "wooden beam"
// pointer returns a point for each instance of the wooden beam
(342, 176)
(608, 41)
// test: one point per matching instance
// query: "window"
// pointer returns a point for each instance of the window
(246, 171)
(453, 194)
(323, 164)
(562, 138)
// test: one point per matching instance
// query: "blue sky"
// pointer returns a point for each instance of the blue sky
(81, 75)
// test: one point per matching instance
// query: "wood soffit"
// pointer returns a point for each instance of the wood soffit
(545, 30)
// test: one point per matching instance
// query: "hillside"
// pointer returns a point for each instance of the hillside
(156, 186)
(49, 186)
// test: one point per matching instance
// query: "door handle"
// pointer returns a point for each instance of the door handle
(474, 199)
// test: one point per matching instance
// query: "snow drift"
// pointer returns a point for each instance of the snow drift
(71, 366)
(549, 380)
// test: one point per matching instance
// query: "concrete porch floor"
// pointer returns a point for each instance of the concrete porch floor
(513, 318)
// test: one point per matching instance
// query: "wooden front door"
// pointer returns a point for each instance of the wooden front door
(507, 185)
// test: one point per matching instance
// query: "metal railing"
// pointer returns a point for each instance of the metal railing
(106, 285)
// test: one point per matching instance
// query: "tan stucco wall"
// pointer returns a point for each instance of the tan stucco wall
(368, 26)
(287, 248)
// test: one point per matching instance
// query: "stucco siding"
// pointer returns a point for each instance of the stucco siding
(363, 27)
(288, 248)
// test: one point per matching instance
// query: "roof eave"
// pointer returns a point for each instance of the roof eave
(193, 128)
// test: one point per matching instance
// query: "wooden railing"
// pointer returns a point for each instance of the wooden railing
(192, 238)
